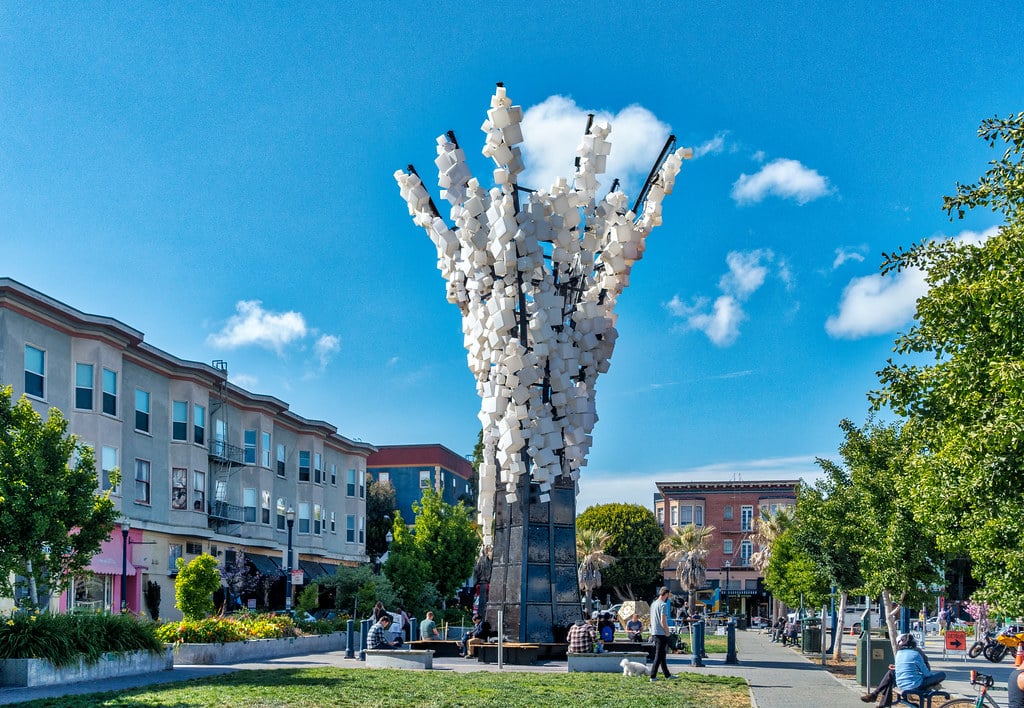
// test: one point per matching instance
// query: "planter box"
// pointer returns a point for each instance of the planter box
(256, 649)
(605, 662)
(40, 672)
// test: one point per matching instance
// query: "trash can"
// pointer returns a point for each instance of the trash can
(876, 650)
(811, 640)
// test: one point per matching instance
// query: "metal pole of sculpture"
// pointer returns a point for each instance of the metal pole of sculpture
(536, 278)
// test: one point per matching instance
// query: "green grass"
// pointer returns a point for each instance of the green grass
(369, 688)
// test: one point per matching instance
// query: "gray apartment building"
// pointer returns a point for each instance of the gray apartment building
(206, 466)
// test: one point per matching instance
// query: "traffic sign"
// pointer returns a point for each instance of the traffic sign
(956, 640)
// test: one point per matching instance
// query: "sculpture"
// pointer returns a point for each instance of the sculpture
(536, 279)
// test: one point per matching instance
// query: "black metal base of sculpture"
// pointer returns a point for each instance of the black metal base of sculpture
(539, 598)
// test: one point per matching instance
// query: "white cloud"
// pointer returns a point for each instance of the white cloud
(843, 255)
(758, 156)
(876, 304)
(252, 325)
(746, 274)
(246, 381)
(722, 324)
(552, 131)
(783, 178)
(327, 345)
(711, 147)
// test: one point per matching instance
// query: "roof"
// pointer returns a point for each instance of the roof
(428, 455)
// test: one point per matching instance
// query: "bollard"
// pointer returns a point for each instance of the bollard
(698, 642)
(350, 639)
(414, 625)
(730, 643)
(364, 632)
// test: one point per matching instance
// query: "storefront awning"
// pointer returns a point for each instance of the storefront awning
(264, 565)
(108, 560)
(311, 569)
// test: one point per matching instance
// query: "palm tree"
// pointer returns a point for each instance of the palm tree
(767, 529)
(590, 544)
(687, 548)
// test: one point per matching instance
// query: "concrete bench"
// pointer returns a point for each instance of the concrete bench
(399, 658)
(608, 662)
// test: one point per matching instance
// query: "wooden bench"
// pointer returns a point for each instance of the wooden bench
(609, 662)
(514, 653)
(399, 658)
(552, 651)
(440, 647)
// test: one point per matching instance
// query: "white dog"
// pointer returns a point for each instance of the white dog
(632, 668)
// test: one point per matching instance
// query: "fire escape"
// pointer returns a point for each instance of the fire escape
(225, 460)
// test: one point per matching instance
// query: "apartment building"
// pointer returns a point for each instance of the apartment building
(412, 468)
(731, 507)
(206, 466)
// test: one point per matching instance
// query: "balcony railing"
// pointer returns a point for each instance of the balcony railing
(221, 451)
(223, 512)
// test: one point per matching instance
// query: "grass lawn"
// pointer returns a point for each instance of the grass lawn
(392, 687)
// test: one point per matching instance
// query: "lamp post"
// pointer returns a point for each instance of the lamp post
(727, 564)
(290, 518)
(126, 526)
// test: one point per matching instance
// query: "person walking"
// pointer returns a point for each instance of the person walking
(659, 633)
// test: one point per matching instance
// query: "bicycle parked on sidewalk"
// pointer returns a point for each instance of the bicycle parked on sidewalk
(984, 699)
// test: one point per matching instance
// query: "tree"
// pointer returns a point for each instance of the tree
(767, 529)
(357, 588)
(590, 545)
(52, 520)
(195, 585)
(967, 404)
(239, 581)
(792, 576)
(407, 567)
(634, 535)
(380, 512)
(687, 549)
(448, 539)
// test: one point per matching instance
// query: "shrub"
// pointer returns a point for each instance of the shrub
(62, 639)
(195, 585)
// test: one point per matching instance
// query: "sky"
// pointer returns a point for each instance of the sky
(220, 177)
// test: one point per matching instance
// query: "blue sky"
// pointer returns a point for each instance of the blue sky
(219, 176)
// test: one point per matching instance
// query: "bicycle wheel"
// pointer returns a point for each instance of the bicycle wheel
(960, 703)
(975, 651)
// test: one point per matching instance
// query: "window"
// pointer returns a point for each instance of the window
(249, 505)
(675, 515)
(727, 513)
(92, 593)
(282, 508)
(698, 515)
(727, 546)
(199, 424)
(362, 529)
(316, 519)
(198, 490)
(220, 437)
(265, 507)
(661, 516)
(193, 549)
(350, 528)
(179, 421)
(384, 478)
(318, 465)
(334, 475)
(685, 515)
(746, 518)
(362, 483)
(35, 371)
(746, 550)
(84, 383)
(173, 554)
(142, 481)
(142, 410)
(249, 443)
(108, 462)
(265, 449)
(179, 490)
(109, 392)
(281, 457)
(334, 528)
(350, 485)
(303, 465)
(424, 479)
(303, 517)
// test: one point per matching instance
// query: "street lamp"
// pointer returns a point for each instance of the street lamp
(727, 564)
(290, 517)
(126, 526)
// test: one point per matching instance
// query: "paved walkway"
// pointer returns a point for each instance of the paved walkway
(779, 677)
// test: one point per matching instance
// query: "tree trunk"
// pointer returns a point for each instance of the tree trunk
(837, 649)
(33, 592)
(890, 612)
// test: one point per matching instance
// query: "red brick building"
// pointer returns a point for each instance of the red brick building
(731, 508)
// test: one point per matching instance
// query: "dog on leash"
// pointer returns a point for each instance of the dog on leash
(632, 668)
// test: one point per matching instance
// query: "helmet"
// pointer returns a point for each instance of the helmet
(906, 641)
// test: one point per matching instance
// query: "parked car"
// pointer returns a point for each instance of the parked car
(758, 622)
(325, 613)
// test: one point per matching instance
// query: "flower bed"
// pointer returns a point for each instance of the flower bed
(256, 649)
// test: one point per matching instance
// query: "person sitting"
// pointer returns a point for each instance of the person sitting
(883, 692)
(479, 632)
(428, 628)
(912, 669)
(606, 628)
(779, 629)
(790, 635)
(378, 636)
(581, 637)
(635, 629)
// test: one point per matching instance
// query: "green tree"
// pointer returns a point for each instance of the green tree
(687, 550)
(590, 545)
(767, 529)
(967, 403)
(52, 520)
(792, 576)
(407, 567)
(356, 588)
(634, 537)
(380, 512)
(448, 540)
(195, 585)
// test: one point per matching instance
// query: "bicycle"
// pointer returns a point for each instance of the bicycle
(983, 699)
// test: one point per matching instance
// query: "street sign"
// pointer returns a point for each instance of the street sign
(297, 577)
(956, 640)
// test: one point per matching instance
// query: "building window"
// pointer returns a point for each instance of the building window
(281, 457)
(362, 484)
(362, 529)
(384, 478)
(84, 383)
(173, 555)
(727, 546)
(199, 425)
(303, 465)
(193, 549)
(265, 450)
(179, 488)
(350, 483)
(746, 518)
(249, 505)
(727, 513)
(424, 479)
(265, 507)
(661, 516)
(675, 515)
(249, 446)
(746, 550)
(282, 508)
(198, 490)
(109, 392)
(334, 528)
(318, 466)
(350, 528)
(303, 517)
(142, 482)
(220, 437)
(108, 462)
(179, 421)
(35, 371)
(698, 515)
(334, 475)
(316, 519)
(142, 410)
(685, 515)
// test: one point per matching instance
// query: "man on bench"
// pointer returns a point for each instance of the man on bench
(378, 637)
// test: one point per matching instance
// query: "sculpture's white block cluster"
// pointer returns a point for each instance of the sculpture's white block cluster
(537, 283)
